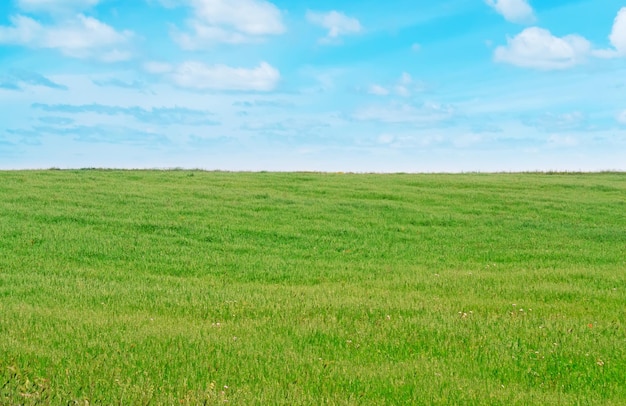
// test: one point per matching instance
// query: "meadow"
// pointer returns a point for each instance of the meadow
(192, 287)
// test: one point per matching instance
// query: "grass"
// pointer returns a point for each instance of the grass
(190, 287)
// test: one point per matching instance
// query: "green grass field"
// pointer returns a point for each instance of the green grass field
(191, 287)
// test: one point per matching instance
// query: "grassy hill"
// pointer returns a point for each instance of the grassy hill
(184, 287)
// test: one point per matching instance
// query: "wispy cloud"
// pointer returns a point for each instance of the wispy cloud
(281, 104)
(378, 90)
(113, 82)
(551, 122)
(621, 117)
(426, 114)
(56, 120)
(106, 134)
(19, 79)
(229, 21)
(199, 76)
(405, 86)
(537, 48)
(515, 11)
(55, 6)
(25, 136)
(5, 145)
(157, 115)
(338, 24)
(291, 128)
(77, 37)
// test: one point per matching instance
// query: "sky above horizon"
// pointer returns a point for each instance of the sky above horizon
(363, 86)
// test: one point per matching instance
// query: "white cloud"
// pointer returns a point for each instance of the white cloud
(621, 117)
(537, 48)
(336, 23)
(405, 87)
(55, 5)
(617, 37)
(205, 36)
(79, 37)
(253, 17)
(408, 139)
(556, 123)
(426, 114)
(515, 11)
(198, 76)
(230, 21)
(378, 90)
(416, 47)
(618, 34)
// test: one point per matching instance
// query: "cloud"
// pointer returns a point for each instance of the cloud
(617, 38)
(405, 87)
(78, 37)
(56, 120)
(100, 134)
(621, 117)
(515, 11)
(18, 79)
(230, 21)
(537, 48)
(618, 33)
(408, 140)
(155, 115)
(24, 136)
(289, 129)
(551, 122)
(402, 88)
(110, 135)
(198, 76)
(280, 104)
(55, 5)
(91, 134)
(337, 24)
(378, 90)
(113, 82)
(426, 114)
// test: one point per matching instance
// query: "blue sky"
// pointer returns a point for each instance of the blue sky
(365, 86)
